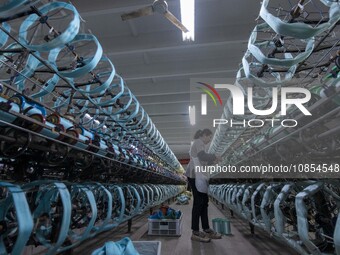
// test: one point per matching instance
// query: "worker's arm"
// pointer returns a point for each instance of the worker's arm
(207, 157)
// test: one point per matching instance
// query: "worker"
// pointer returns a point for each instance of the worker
(199, 183)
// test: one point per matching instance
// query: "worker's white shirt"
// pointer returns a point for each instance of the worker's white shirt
(201, 179)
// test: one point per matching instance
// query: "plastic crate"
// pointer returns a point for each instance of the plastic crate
(148, 247)
(165, 227)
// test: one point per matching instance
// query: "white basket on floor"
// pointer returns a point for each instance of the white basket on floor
(165, 227)
(148, 247)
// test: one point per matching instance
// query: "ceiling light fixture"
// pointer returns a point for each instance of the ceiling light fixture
(192, 115)
(188, 19)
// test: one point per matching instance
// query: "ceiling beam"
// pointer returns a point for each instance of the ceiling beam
(176, 47)
(169, 114)
(181, 74)
(165, 87)
(166, 94)
(126, 8)
(119, 10)
(172, 102)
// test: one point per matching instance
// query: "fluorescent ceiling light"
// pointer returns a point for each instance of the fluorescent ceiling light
(192, 115)
(188, 19)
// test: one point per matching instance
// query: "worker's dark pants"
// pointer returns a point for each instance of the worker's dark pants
(200, 208)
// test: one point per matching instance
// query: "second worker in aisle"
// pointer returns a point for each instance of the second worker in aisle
(199, 183)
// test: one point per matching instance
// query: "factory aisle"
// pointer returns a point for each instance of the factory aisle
(241, 242)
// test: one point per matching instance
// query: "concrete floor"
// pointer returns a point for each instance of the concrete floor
(241, 242)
